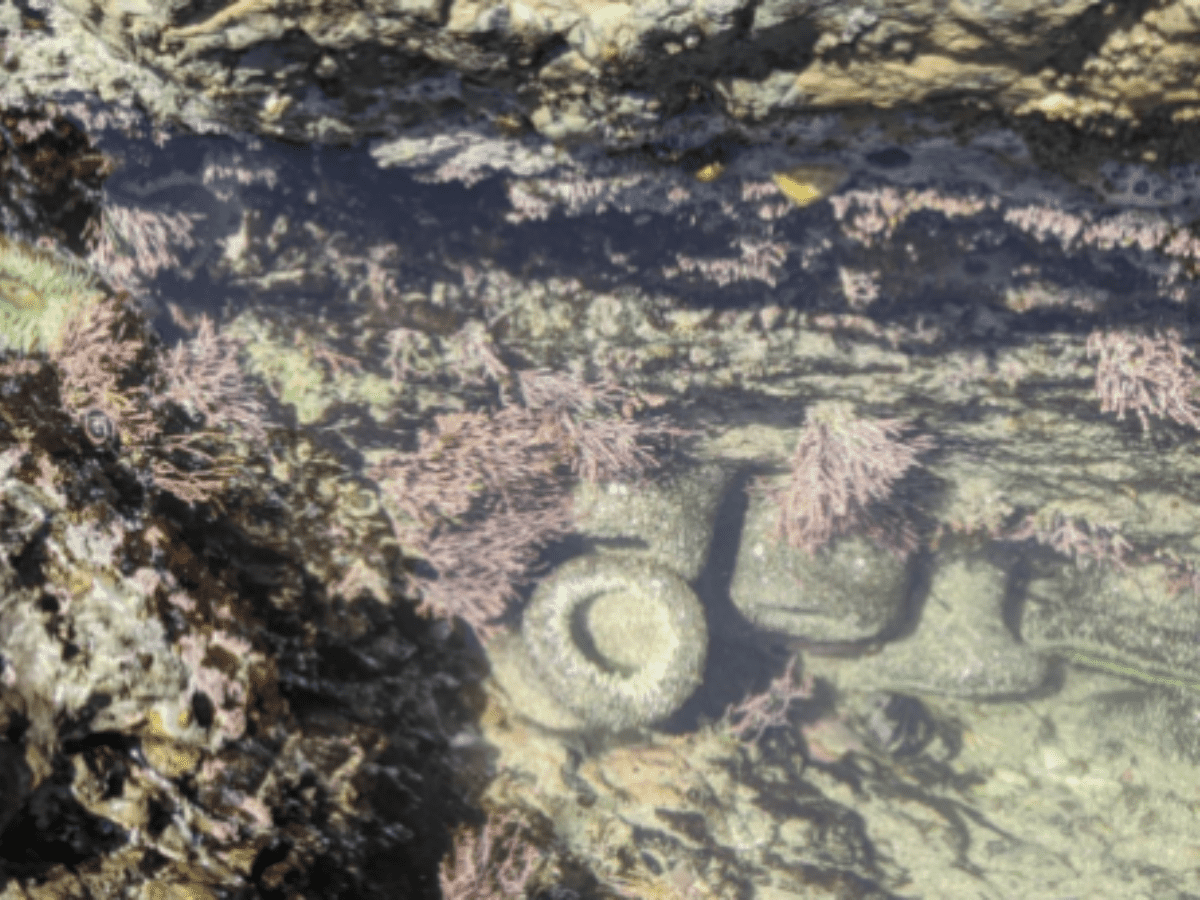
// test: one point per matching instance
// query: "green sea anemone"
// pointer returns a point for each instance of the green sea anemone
(40, 292)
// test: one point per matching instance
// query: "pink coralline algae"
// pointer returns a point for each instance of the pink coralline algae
(842, 464)
(201, 377)
(758, 260)
(868, 213)
(1075, 538)
(1134, 229)
(750, 718)
(535, 198)
(1145, 375)
(484, 491)
(494, 862)
(131, 246)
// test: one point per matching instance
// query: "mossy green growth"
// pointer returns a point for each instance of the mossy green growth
(297, 379)
(40, 292)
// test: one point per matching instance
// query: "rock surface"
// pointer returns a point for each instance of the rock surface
(614, 72)
(222, 625)
(180, 664)
(851, 591)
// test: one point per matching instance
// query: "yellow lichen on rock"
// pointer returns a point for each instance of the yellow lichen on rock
(889, 82)
(805, 185)
(167, 755)
(1141, 66)
(1150, 64)
(174, 890)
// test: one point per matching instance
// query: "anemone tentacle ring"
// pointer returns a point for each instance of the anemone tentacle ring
(618, 640)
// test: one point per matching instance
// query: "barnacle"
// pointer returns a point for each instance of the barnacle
(98, 427)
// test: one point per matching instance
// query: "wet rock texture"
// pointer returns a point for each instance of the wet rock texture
(889, 797)
(609, 71)
(196, 700)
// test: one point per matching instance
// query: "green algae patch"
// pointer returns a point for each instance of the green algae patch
(300, 380)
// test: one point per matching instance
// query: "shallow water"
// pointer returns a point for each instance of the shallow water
(1015, 716)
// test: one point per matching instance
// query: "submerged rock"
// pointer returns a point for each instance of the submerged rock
(669, 521)
(1139, 622)
(850, 591)
(961, 645)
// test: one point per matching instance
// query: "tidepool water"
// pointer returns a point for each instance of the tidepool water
(1000, 704)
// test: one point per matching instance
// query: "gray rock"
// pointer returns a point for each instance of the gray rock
(848, 591)
(961, 646)
(1140, 622)
(670, 522)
